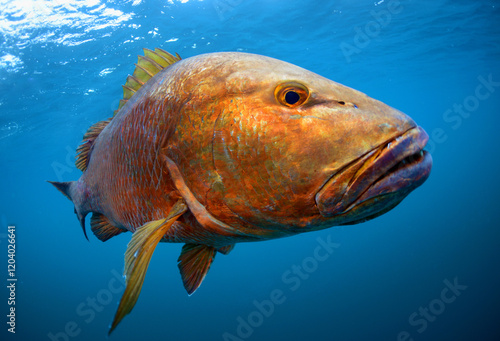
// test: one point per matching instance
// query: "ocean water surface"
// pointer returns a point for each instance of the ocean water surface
(427, 270)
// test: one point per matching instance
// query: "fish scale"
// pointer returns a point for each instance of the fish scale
(231, 147)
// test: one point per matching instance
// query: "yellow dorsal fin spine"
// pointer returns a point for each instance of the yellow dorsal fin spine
(127, 92)
(83, 151)
(156, 57)
(147, 66)
(167, 56)
(134, 83)
(141, 73)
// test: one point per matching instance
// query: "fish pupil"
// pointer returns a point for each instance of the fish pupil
(291, 97)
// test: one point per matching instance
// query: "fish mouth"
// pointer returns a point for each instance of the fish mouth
(377, 181)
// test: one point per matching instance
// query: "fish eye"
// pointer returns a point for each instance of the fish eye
(291, 94)
(291, 97)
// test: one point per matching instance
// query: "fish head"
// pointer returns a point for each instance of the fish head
(293, 151)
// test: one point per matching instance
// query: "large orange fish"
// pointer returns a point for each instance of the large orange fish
(223, 148)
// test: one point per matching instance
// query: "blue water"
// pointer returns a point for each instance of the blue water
(62, 64)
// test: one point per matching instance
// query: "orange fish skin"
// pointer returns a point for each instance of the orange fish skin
(257, 164)
(253, 163)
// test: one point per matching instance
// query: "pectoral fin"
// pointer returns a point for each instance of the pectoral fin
(194, 263)
(137, 257)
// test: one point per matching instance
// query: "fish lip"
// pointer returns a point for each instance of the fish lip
(397, 165)
(401, 179)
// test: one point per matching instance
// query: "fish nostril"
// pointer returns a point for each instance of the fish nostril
(348, 104)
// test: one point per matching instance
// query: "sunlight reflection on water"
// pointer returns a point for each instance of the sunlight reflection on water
(68, 22)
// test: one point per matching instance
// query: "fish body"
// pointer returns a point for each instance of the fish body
(224, 148)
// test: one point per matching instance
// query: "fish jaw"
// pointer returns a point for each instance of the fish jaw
(379, 180)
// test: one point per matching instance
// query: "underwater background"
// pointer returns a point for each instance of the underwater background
(427, 270)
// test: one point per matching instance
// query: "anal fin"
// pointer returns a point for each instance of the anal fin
(194, 263)
(102, 228)
(226, 249)
(137, 257)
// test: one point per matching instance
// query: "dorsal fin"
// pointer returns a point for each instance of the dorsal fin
(83, 151)
(102, 228)
(147, 66)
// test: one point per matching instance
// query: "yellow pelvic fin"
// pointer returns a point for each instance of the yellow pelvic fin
(83, 151)
(194, 263)
(102, 228)
(147, 66)
(137, 257)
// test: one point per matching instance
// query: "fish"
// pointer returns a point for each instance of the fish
(231, 147)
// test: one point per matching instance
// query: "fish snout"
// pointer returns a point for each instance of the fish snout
(378, 180)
